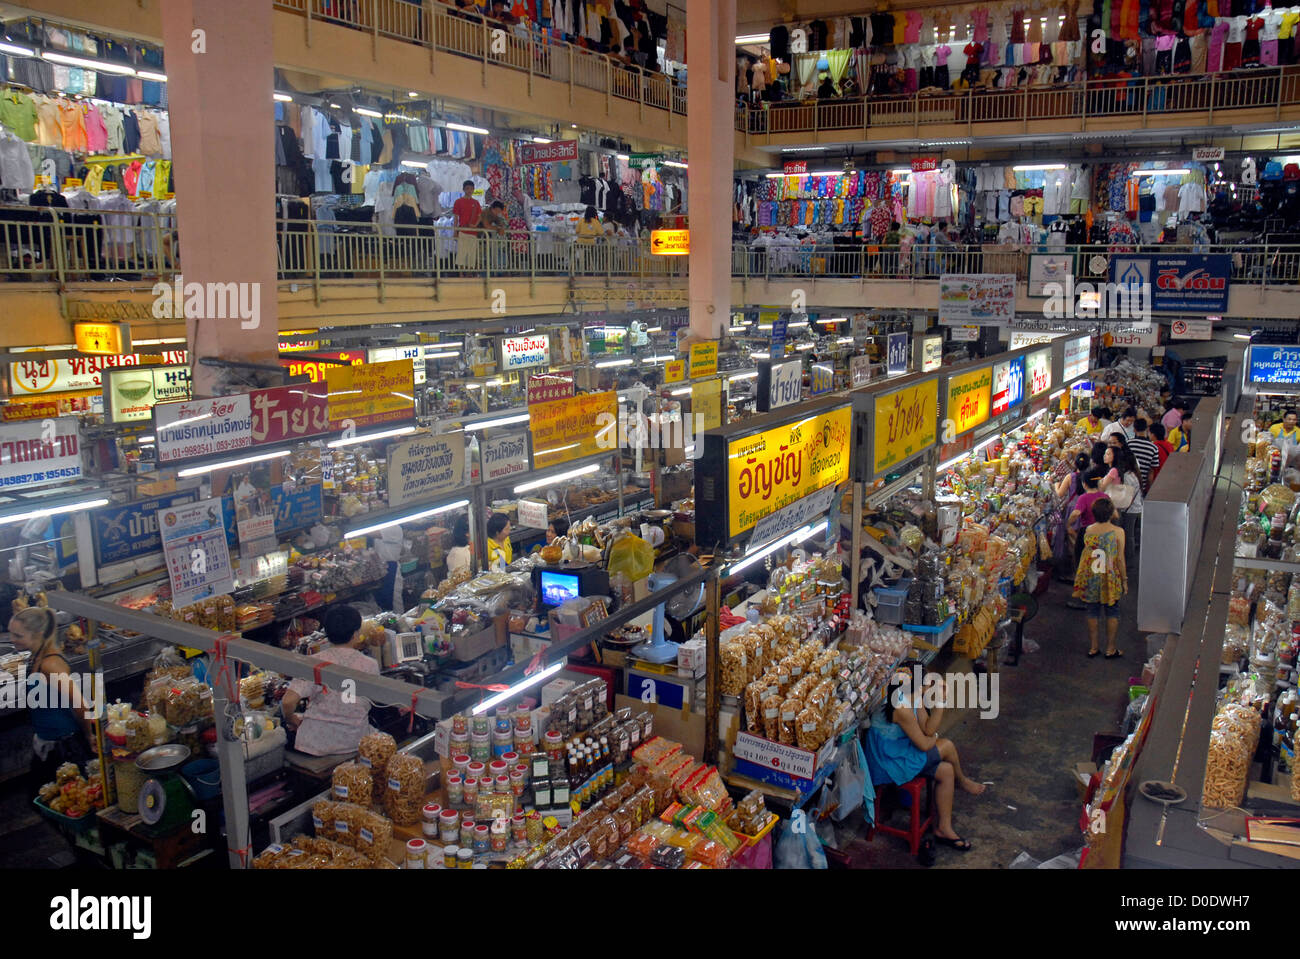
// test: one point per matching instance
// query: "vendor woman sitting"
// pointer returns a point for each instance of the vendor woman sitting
(333, 724)
(908, 745)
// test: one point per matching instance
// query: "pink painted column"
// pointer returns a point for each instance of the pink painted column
(220, 81)
(711, 149)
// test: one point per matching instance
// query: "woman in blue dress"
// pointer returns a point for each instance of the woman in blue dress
(908, 745)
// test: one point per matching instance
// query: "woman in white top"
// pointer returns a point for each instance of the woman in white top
(333, 724)
(459, 557)
(1123, 484)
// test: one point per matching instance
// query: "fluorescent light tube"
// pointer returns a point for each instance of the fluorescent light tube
(14, 49)
(53, 510)
(99, 65)
(466, 129)
(753, 38)
(760, 356)
(540, 140)
(844, 339)
(1181, 171)
(385, 434)
(608, 363)
(415, 163)
(410, 517)
(1039, 166)
(751, 375)
(499, 421)
(798, 536)
(571, 474)
(283, 97)
(368, 113)
(441, 356)
(517, 688)
(225, 464)
(674, 163)
(150, 75)
(681, 391)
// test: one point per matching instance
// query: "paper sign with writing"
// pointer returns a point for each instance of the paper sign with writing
(503, 456)
(904, 424)
(202, 427)
(198, 558)
(548, 387)
(859, 370)
(422, 469)
(674, 371)
(28, 377)
(706, 402)
(704, 359)
(522, 352)
(570, 429)
(532, 514)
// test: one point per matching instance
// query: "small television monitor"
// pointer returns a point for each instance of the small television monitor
(557, 587)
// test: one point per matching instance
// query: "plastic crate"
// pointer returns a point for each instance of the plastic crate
(77, 824)
(935, 635)
(890, 601)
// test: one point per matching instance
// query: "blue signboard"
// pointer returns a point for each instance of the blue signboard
(301, 509)
(1275, 364)
(130, 531)
(896, 356)
(1192, 283)
(778, 333)
(1008, 386)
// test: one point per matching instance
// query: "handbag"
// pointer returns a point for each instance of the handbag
(1122, 496)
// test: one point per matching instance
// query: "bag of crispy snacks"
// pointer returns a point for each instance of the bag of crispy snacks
(771, 707)
(352, 784)
(790, 710)
(808, 725)
(373, 753)
(735, 672)
(404, 789)
(754, 695)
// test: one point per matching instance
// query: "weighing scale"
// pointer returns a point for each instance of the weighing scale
(679, 606)
(166, 800)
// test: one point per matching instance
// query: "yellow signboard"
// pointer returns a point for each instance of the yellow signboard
(704, 359)
(572, 428)
(103, 339)
(904, 424)
(769, 471)
(670, 242)
(674, 371)
(706, 401)
(968, 400)
(361, 396)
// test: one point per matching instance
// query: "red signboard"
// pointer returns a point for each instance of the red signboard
(290, 412)
(925, 164)
(796, 166)
(550, 386)
(549, 152)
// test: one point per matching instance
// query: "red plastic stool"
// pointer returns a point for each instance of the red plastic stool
(918, 825)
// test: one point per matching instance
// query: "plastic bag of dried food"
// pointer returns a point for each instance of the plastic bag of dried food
(772, 714)
(374, 834)
(1226, 768)
(352, 784)
(807, 727)
(1238, 609)
(404, 789)
(735, 674)
(373, 753)
(187, 701)
(790, 710)
(1236, 643)
(754, 695)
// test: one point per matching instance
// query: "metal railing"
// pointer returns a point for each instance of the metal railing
(431, 23)
(1266, 89)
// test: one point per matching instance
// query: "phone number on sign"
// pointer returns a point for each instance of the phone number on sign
(205, 449)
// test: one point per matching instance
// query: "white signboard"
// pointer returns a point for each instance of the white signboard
(787, 383)
(982, 298)
(797, 762)
(202, 427)
(36, 376)
(860, 370)
(503, 456)
(1038, 372)
(198, 559)
(32, 454)
(1191, 329)
(965, 334)
(1207, 154)
(790, 518)
(133, 393)
(421, 470)
(532, 514)
(522, 352)
(1077, 355)
(413, 353)
(1045, 268)
(931, 353)
(1133, 339)
(1022, 338)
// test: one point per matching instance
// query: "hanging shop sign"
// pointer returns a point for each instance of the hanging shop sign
(780, 326)
(795, 167)
(1049, 268)
(931, 353)
(75, 373)
(1008, 385)
(670, 242)
(982, 298)
(896, 354)
(122, 533)
(1206, 154)
(558, 152)
(422, 469)
(1077, 355)
(1023, 338)
(547, 387)
(706, 403)
(1191, 330)
(674, 371)
(31, 454)
(31, 410)
(1132, 339)
(522, 352)
(704, 359)
(968, 400)
(389, 354)
(503, 456)
(796, 515)
(903, 424)
(131, 394)
(570, 429)
(779, 384)
(363, 396)
(1275, 364)
(1191, 283)
(1038, 372)
(289, 412)
(964, 334)
(821, 379)
(302, 346)
(194, 544)
(925, 164)
(315, 367)
(741, 479)
(859, 370)
(202, 427)
(103, 339)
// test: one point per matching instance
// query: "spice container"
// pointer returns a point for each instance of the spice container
(519, 828)
(516, 783)
(511, 759)
(449, 854)
(541, 793)
(459, 725)
(455, 789)
(448, 825)
(476, 769)
(554, 746)
(501, 785)
(471, 791)
(522, 769)
(480, 726)
(499, 836)
(482, 838)
(464, 858)
(461, 762)
(415, 853)
(466, 835)
(498, 767)
(480, 747)
(430, 812)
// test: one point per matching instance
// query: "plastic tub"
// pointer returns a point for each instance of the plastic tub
(204, 777)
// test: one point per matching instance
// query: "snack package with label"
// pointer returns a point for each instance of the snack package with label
(353, 784)
(655, 751)
(374, 752)
(404, 789)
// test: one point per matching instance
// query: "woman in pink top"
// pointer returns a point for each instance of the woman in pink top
(1173, 417)
(332, 725)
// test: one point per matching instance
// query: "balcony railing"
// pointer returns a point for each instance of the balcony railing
(521, 48)
(1268, 89)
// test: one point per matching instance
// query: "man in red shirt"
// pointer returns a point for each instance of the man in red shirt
(1163, 448)
(468, 212)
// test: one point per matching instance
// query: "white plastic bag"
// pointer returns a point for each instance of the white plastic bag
(849, 782)
(798, 846)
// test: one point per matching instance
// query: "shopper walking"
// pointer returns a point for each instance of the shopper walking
(1123, 485)
(1180, 438)
(1081, 517)
(908, 745)
(1101, 579)
(1069, 489)
(1122, 426)
(1145, 452)
(468, 213)
(1163, 447)
(335, 719)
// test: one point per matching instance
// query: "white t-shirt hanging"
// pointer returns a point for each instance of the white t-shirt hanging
(1191, 198)
(1272, 22)
(1236, 29)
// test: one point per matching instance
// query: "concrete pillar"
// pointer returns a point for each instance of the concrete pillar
(711, 148)
(220, 81)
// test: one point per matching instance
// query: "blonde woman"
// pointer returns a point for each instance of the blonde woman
(61, 721)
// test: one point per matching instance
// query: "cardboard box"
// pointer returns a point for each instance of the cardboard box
(641, 589)
(691, 655)
(673, 456)
(679, 725)
(555, 689)
(469, 648)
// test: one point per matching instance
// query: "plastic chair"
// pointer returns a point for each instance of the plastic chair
(917, 825)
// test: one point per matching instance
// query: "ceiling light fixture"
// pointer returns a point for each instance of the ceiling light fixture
(225, 464)
(98, 65)
(559, 477)
(464, 128)
(365, 530)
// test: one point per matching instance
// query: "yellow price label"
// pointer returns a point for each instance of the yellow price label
(674, 371)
